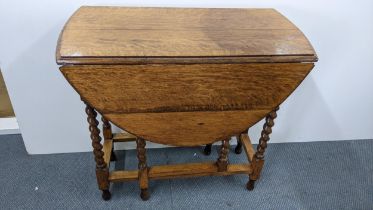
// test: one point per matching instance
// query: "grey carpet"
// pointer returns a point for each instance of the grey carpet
(318, 175)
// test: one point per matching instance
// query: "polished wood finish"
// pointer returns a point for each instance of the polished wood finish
(222, 161)
(248, 147)
(258, 159)
(188, 60)
(197, 91)
(181, 77)
(108, 149)
(170, 35)
(123, 137)
(182, 171)
(113, 89)
(143, 169)
(201, 127)
(102, 170)
(106, 128)
(108, 135)
(124, 175)
(195, 170)
(267, 130)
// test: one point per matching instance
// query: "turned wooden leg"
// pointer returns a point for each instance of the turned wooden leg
(258, 159)
(207, 150)
(106, 195)
(102, 171)
(143, 169)
(222, 162)
(250, 185)
(108, 134)
(238, 148)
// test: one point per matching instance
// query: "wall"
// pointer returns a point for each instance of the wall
(334, 102)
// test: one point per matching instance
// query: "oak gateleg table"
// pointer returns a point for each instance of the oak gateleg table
(181, 77)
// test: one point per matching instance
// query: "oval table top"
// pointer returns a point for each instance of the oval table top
(107, 35)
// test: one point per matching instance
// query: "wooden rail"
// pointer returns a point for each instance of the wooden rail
(181, 170)
(246, 143)
(107, 147)
(123, 137)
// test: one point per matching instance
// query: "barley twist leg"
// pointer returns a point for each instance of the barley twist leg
(258, 159)
(102, 172)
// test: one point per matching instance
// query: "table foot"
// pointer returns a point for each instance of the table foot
(113, 157)
(238, 149)
(144, 194)
(250, 185)
(106, 195)
(207, 150)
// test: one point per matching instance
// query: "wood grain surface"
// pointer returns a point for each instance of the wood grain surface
(107, 149)
(185, 105)
(182, 171)
(187, 128)
(163, 35)
(248, 147)
(172, 88)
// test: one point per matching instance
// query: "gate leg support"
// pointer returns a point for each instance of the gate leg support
(108, 134)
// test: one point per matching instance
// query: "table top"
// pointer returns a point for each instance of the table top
(123, 35)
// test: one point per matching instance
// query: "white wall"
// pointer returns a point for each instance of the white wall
(335, 102)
